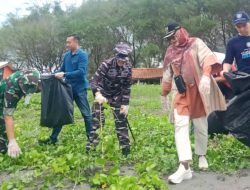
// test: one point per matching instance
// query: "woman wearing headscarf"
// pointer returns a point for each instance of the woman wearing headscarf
(190, 64)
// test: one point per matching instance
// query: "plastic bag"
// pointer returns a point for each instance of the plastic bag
(239, 81)
(216, 123)
(237, 118)
(57, 102)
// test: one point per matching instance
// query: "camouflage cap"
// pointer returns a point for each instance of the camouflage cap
(29, 82)
(123, 48)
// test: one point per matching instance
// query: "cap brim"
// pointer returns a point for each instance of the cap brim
(169, 34)
(123, 59)
(241, 22)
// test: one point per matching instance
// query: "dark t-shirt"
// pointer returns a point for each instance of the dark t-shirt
(238, 49)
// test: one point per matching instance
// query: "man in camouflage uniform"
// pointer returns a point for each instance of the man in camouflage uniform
(111, 83)
(12, 89)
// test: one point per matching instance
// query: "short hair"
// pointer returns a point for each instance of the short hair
(75, 36)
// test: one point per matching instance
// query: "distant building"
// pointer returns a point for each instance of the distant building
(147, 75)
(154, 75)
(5, 70)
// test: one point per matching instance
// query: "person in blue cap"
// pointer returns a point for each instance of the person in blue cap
(238, 48)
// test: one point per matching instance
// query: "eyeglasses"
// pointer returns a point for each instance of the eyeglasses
(171, 38)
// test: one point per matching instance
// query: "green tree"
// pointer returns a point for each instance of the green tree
(38, 40)
(34, 41)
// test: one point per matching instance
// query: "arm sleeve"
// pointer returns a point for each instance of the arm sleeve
(205, 56)
(127, 89)
(11, 99)
(207, 59)
(82, 67)
(229, 54)
(167, 81)
(62, 67)
(167, 76)
(97, 79)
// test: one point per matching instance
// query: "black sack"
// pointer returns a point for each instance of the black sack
(237, 118)
(216, 123)
(57, 102)
(239, 81)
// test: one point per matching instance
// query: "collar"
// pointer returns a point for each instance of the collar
(76, 52)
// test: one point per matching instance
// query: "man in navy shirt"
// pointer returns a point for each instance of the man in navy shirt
(238, 48)
(75, 71)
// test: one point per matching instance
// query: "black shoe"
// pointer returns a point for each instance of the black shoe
(3, 147)
(126, 151)
(48, 141)
(88, 148)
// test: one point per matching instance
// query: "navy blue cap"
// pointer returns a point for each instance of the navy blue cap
(171, 28)
(241, 17)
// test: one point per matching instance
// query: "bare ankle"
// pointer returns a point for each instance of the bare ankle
(185, 164)
(201, 156)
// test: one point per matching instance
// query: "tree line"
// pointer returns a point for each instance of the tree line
(38, 40)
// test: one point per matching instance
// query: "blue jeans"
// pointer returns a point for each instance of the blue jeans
(82, 102)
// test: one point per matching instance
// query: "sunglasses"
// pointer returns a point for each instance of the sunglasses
(171, 38)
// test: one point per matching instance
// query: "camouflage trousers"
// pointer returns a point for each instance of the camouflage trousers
(3, 135)
(120, 122)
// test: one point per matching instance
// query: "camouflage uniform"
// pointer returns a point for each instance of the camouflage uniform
(114, 83)
(12, 90)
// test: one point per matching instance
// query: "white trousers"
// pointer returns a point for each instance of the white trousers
(182, 138)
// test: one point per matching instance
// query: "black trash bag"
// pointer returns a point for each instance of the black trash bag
(237, 118)
(239, 81)
(57, 102)
(216, 123)
(226, 91)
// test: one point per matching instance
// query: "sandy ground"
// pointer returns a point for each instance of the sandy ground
(200, 181)
(214, 181)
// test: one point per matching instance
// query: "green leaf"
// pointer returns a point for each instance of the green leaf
(100, 162)
(114, 171)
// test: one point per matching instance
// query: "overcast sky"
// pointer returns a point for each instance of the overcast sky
(19, 6)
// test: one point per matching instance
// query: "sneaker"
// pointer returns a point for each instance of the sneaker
(126, 151)
(90, 148)
(180, 175)
(48, 141)
(203, 165)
